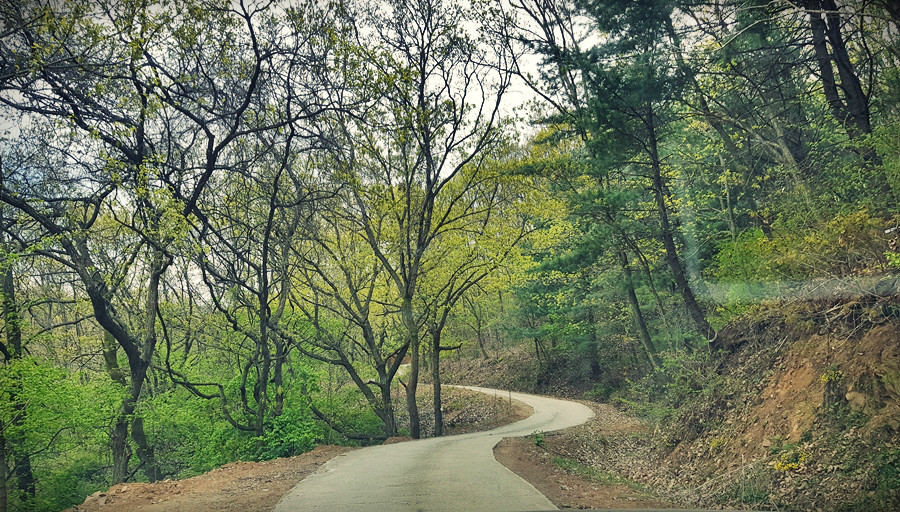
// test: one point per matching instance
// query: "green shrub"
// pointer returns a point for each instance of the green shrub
(841, 245)
(887, 472)
(292, 433)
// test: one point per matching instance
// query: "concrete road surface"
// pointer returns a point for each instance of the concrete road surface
(455, 473)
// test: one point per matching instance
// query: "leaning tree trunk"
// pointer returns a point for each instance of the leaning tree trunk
(853, 110)
(646, 340)
(672, 259)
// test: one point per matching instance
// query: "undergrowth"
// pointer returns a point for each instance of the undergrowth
(593, 474)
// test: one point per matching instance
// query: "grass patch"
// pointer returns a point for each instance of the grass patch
(751, 488)
(594, 475)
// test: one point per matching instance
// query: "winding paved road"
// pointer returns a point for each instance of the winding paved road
(454, 473)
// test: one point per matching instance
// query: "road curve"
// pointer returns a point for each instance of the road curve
(451, 473)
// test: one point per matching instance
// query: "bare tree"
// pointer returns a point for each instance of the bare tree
(438, 111)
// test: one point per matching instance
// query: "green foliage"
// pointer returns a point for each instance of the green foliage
(349, 409)
(749, 257)
(668, 143)
(68, 417)
(884, 491)
(831, 374)
(191, 435)
(839, 245)
(537, 438)
(291, 433)
(791, 460)
(887, 472)
(66, 420)
(884, 141)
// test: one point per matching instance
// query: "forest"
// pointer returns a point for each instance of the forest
(235, 230)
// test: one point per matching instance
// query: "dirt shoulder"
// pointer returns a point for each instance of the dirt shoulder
(549, 462)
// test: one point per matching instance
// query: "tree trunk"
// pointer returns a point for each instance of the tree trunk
(436, 378)
(387, 411)
(278, 378)
(646, 340)
(111, 359)
(593, 348)
(144, 450)
(853, 110)
(261, 386)
(412, 338)
(386, 369)
(479, 327)
(668, 240)
(118, 438)
(24, 474)
(21, 458)
(121, 453)
(484, 354)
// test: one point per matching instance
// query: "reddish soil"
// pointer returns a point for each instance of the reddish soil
(791, 402)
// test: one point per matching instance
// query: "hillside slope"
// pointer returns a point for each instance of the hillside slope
(798, 409)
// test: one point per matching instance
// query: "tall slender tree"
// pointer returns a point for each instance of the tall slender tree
(438, 112)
